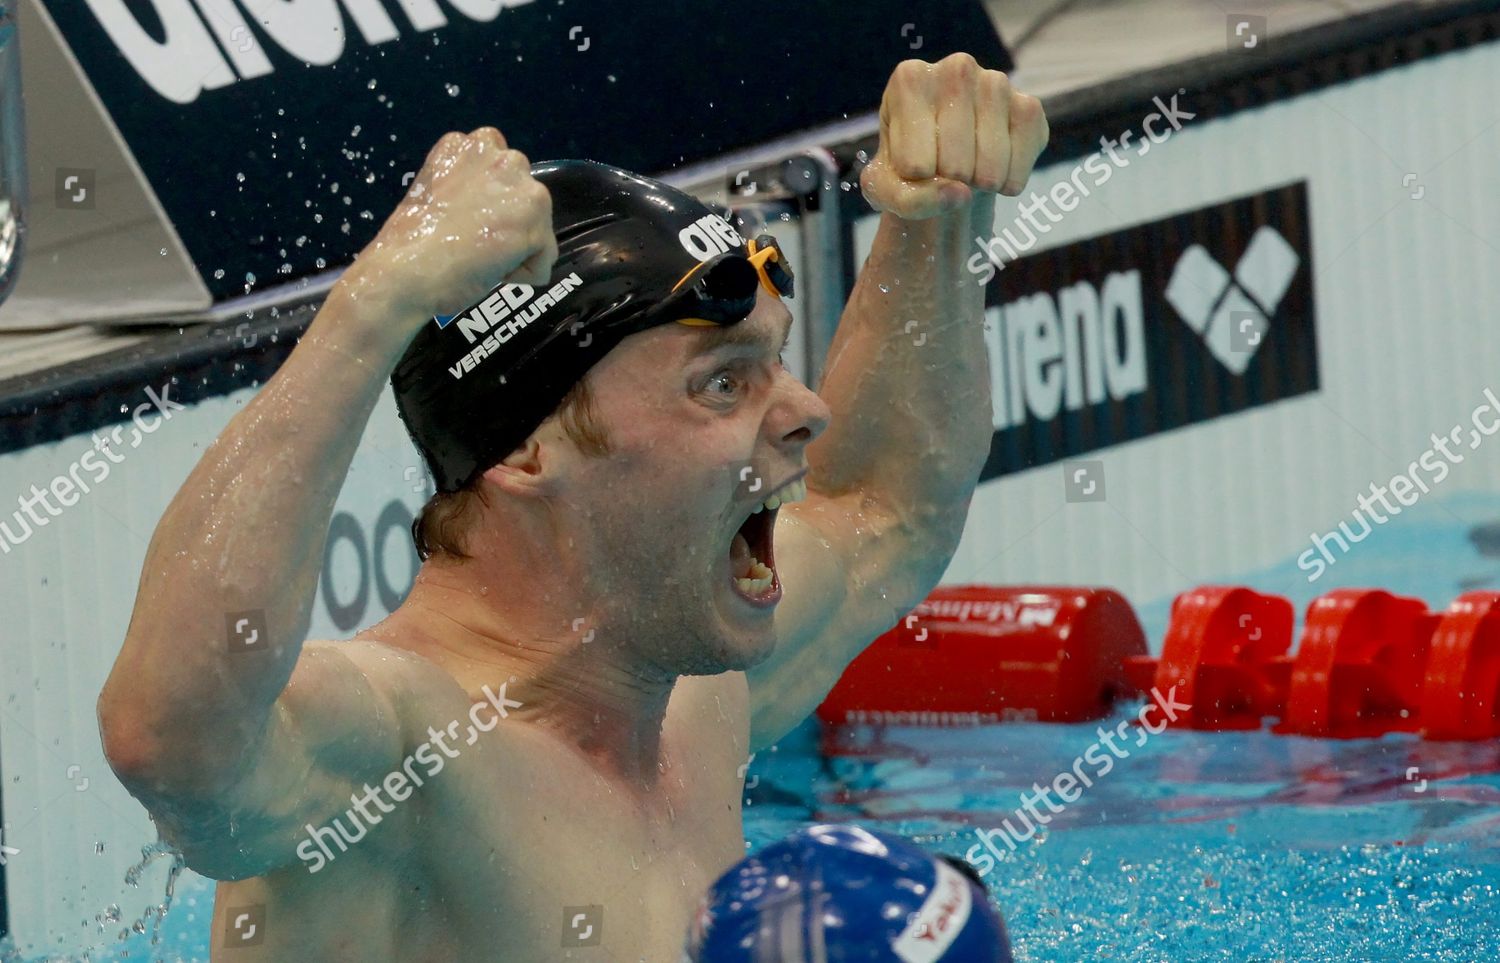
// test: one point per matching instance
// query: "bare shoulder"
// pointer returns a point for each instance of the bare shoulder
(393, 668)
(363, 683)
(361, 669)
(340, 723)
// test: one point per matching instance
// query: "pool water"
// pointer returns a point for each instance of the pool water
(1196, 846)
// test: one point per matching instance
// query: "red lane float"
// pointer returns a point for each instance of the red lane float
(1358, 670)
(1225, 652)
(977, 653)
(1461, 692)
(1368, 663)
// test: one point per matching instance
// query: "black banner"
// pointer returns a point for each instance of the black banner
(1147, 329)
(277, 135)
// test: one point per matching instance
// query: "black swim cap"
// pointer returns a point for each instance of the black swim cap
(632, 253)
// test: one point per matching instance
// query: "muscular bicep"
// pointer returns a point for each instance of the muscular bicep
(849, 571)
(333, 729)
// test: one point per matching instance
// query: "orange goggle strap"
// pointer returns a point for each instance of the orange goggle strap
(775, 273)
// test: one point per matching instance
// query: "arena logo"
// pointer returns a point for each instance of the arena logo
(187, 61)
(1231, 312)
(709, 236)
(1082, 345)
(1151, 328)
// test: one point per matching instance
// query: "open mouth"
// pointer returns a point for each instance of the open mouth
(752, 551)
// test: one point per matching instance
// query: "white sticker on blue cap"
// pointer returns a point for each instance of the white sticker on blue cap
(943, 916)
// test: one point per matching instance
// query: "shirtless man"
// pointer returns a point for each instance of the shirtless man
(577, 605)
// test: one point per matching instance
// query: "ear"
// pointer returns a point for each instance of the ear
(531, 471)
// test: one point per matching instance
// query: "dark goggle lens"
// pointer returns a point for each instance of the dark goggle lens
(724, 294)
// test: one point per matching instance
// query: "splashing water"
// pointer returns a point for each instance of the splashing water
(150, 853)
(106, 921)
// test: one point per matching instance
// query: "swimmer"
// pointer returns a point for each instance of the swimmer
(839, 894)
(652, 550)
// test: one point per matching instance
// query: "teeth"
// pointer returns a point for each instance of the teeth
(759, 581)
(757, 577)
(795, 492)
(753, 569)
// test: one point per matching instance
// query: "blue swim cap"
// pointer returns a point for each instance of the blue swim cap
(837, 894)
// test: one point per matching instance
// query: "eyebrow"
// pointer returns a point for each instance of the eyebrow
(738, 335)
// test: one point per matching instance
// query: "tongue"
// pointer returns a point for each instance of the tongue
(740, 556)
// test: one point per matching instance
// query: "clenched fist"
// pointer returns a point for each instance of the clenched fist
(472, 218)
(948, 130)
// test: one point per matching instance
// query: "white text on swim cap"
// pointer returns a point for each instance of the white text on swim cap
(708, 236)
(942, 916)
(494, 314)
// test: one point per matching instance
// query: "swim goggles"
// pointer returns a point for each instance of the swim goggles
(722, 290)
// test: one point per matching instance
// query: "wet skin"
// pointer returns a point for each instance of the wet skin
(599, 590)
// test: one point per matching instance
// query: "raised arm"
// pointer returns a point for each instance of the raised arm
(907, 380)
(199, 724)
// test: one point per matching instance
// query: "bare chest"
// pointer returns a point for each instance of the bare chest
(558, 857)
